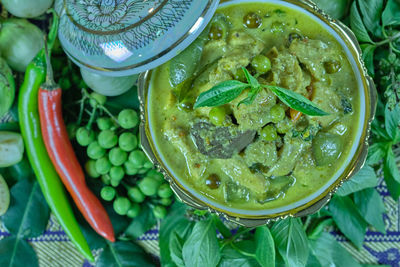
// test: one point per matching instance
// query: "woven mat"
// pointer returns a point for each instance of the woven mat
(54, 248)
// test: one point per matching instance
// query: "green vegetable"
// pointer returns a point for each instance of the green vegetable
(108, 193)
(117, 173)
(95, 151)
(159, 212)
(136, 195)
(4, 196)
(104, 123)
(217, 115)
(11, 148)
(165, 191)
(142, 223)
(134, 211)
(137, 158)
(128, 118)
(107, 85)
(326, 148)
(107, 139)
(148, 186)
(97, 99)
(268, 133)
(117, 156)
(121, 205)
(20, 41)
(27, 8)
(127, 141)
(261, 64)
(277, 113)
(84, 136)
(130, 168)
(91, 169)
(103, 165)
(7, 88)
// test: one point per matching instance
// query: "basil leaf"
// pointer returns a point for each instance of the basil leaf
(17, 253)
(265, 251)
(123, 253)
(175, 221)
(389, 168)
(357, 25)
(348, 219)
(378, 128)
(250, 97)
(232, 258)
(372, 11)
(391, 14)
(28, 213)
(185, 64)
(220, 94)
(318, 230)
(371, 206)
(368, 57)
(329, 252)
(296, 101)
(376, 152)
(176, 245)
(391, 165)
(392, 121)
(221, 227)
(365, 178)
(202, 248)
(142, 223)
(250, 79)
(291, 242)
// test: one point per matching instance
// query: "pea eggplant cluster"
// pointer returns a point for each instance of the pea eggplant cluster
(114, 157)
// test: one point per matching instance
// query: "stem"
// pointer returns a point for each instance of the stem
(50, 83)
(92, 116)
(307, 223)
(241, 251)
(389, 40)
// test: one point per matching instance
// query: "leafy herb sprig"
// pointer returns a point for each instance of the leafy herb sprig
(227, 91)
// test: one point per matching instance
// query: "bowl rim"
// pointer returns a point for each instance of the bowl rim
(357, 161)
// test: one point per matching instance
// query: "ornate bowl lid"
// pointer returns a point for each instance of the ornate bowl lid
(124, 37)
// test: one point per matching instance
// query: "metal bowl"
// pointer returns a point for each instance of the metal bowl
(317, 200)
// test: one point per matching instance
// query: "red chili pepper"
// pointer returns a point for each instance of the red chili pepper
(64, 159)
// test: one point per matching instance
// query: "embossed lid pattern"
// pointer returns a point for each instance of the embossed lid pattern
(123, 37)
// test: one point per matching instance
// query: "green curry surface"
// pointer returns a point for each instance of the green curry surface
(302, 153)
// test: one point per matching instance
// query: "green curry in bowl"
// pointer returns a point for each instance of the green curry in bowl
(257, 153)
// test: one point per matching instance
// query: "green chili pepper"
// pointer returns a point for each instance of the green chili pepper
(49, 182)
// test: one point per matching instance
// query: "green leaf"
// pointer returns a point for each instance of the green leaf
(202, 248)
(144, 222)
(296, 101)
(378, 128)
(225, 232)
(371, 206)
(265, 252)
(336, 9)
(175, 221)
(176, 244)
(371, 11)
(368, 57)
(391, 165)
(28, 213)
(329, 252)
(185, 64)
(357, 25)
(250, 97)
(348, 219)
(291, 241)
(365, 178)
(377, 152)
(250, 79)
(391, 14)
(16, 252)
(122, 254)
(392, 121)
(232, 258)
(220, 94)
